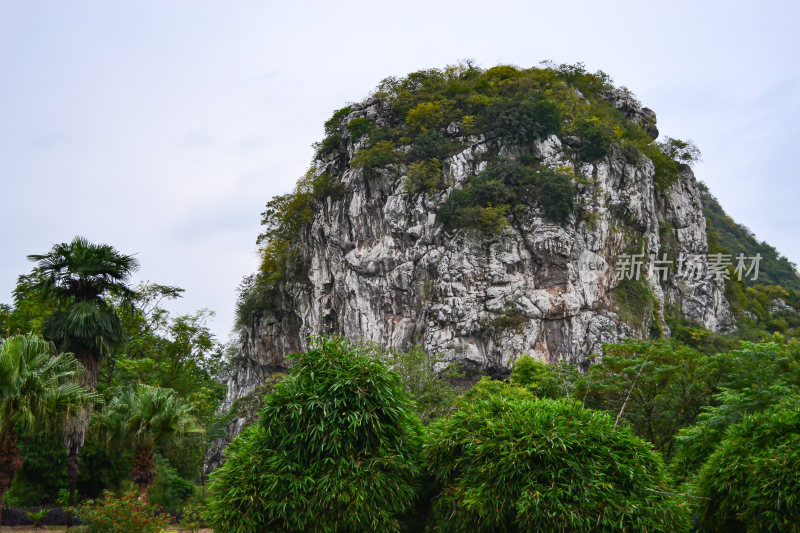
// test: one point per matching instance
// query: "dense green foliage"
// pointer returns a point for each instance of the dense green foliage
(425, 177)
(434, 394)
(556, 196)
(145, 417)
(752, 480)
(597, 138)
(520, 120)
(38, 389)
(335, 449)
(746, 381)
(490, 201)
(668, 386)
(153, 348)
(545, 380)
(507, 461)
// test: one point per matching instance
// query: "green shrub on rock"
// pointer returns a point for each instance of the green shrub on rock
(596, 136)
(507, 461)
(380, 154)
(430, 144)
(481, 205)
(335, 450)
(358, 127)
(521, 120)
(425, 176)
(557, 196)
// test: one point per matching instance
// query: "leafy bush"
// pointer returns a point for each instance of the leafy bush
(358, 127)
(668, 385)
(424, 176)
(487, 192)
(326, 186)
(482, 205)
(485, 200)
(511, 172)
(335, 122)
(556, 196)
(334, 450)
(685, 152)
(666, 170)
(749, 380)
(429, 115)
(121, 515)
(588, 83)
(169, 489)
(507, 461)
(380, 154)
(490, 220)
(434, 394)
(329, 144)
(283, 219)
(194, 514)
(543, 379)
(597, 138)
(521, 120)
(333, 137)
(430, 145)
(752, 482)
(51, 515)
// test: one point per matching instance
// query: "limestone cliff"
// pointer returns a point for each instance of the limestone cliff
(373, 258)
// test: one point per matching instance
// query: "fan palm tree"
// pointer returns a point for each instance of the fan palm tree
(37, 391)
(79, 277)
(144, 418)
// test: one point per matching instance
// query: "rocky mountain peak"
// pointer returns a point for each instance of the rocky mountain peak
(483, 214)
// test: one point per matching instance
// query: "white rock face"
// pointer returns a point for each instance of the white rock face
(382, 268)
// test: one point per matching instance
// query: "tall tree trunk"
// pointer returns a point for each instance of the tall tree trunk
(10, 463)
(143, 471)
(78, 424)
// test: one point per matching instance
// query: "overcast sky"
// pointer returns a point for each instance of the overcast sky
(163, 127)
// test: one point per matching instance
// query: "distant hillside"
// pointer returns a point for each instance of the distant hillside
(726, 234)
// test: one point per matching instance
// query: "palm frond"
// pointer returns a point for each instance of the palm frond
(147, 416)
(81, 270)
(38, 388)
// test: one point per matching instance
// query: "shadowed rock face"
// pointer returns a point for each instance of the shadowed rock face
(381, 266)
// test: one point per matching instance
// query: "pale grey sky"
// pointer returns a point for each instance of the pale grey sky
(163, 127)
